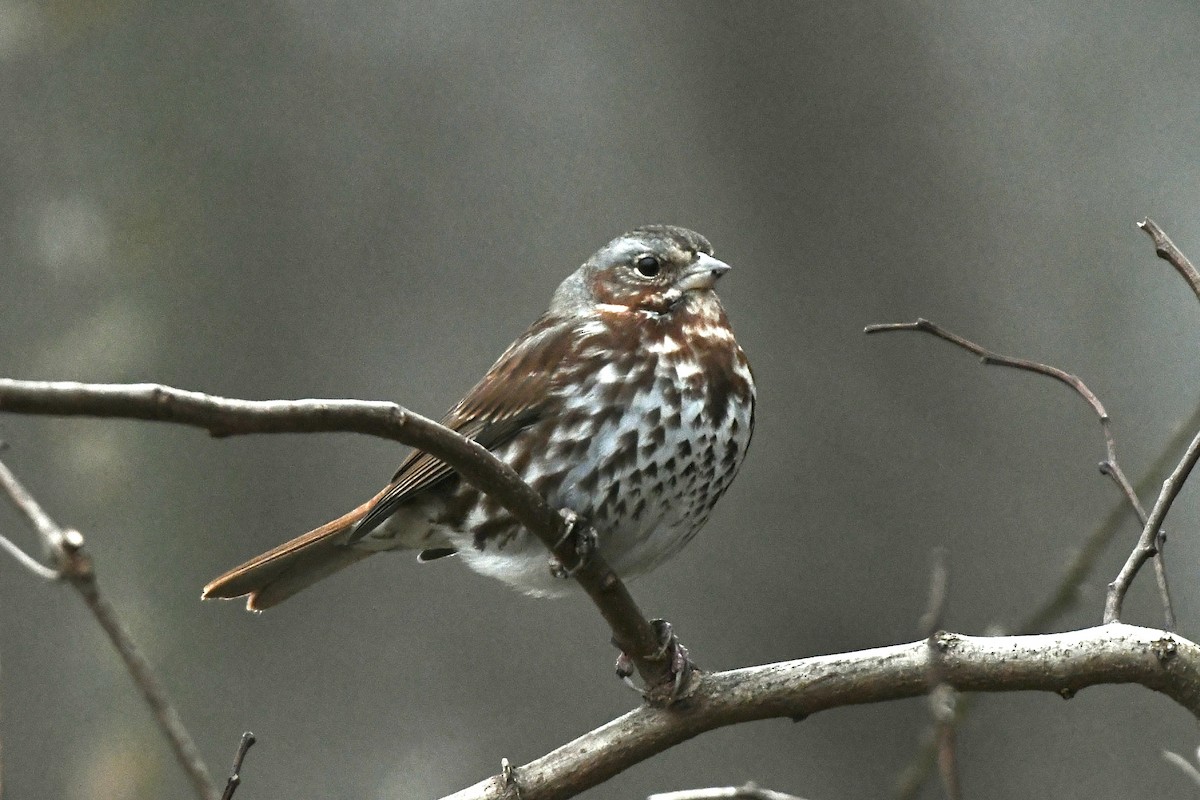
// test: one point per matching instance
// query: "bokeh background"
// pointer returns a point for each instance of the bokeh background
(371, 199)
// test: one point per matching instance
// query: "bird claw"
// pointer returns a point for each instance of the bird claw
(681, 666)
(585, 545)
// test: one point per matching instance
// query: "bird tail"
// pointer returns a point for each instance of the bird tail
(279, 573)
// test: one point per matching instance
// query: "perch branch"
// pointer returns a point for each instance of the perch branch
(75, 566)
(1151, 541)
(1148, 543)
(220, 416)
(1063, 663)
(235, 775)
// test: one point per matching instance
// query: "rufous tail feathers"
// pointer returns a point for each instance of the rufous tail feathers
(279, 573)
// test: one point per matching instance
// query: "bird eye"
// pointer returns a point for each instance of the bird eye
(647, 265)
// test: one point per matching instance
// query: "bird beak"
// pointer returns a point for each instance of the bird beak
(703, 274)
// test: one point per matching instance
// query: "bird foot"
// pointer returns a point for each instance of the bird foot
(583, 537)
(680, 666)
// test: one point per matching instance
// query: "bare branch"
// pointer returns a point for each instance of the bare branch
(1066, 596)
(75, 565)
(1062, 663)
(221, 416)
(235, 775)
(23, 501)
(989, 357)
(1185, 766)
(1147, 544)
(749, 791)
(1160, 567)
(1146, 548)
(27, 561)
(1165, 249)
(939, 587)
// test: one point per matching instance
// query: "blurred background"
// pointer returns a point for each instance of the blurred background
(372, 199)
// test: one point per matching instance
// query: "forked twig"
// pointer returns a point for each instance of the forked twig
(1148, 542)
(1109, 466)
(1068, 592)
(1185, 766)
(1059, 662)
(75, 566)
(1165, 249)
(235, 775)
(931, 751)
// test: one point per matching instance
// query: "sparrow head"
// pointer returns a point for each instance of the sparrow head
(653, 269)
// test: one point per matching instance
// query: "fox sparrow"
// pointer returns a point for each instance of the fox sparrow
(629, 403)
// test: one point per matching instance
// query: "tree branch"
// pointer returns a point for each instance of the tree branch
(1063, 663)
(75, 566)
(1065, 596)
(1165, 249)
(943, 699)
(235, 775)
(1146, 548)
(221, 416)
(1147, 544)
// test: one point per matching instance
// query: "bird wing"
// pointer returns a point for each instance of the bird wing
(515, 393)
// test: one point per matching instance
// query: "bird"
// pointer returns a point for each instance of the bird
(628, 403)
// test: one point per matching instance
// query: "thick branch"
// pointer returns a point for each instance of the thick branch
(222, 416)
(1062, 663)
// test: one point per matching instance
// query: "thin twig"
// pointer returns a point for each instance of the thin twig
(235, 775)
(1110, 466)
(1068, 591)
(27, 561)
(1151, 541)
(939, 586)
(1064, 663)
(1067, 594)
(942, 698)
(1165, 249)
(1185, 766)
(75, 565)
(1147, 544)
(23, 501)
(989, 357)
(221, 416)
